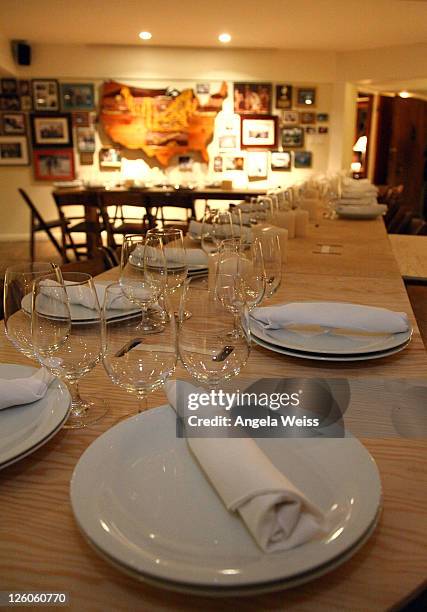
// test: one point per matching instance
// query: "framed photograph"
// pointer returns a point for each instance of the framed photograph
(110, 159)
(51, 130)
(85, 139)
(77, 96)
(203, 88)
(307, 118)
(228, 141)
(185, 163)
(86, 159)
(81, 119)
(310, 130)
(283, 96)
(252, 98)
(45, 94)
(303, 159)
(257, 165)
(53, 164)
(258, 132)
(281, 161)
(290, 118)
(9, 86)
(323, 129)
(14, 151)
(322, 117)
(217, 163)
(233, 162)
(10, 102)
(26, 103)
(292, 137)
(13, 123)
(306, 96)
(24, 88)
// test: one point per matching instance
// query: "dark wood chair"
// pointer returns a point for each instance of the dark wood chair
(401, 222)
(120, 223)
(101, 261)
(38, 224)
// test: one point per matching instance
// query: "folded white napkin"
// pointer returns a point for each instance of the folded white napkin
(81, 295)
(19, 391)
(278, 515)
(195, 229)
(332, 315)
(364, 201)
(193, 257)
(373, 209)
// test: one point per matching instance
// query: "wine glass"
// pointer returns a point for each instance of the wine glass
(18, 289)
(216, 226)
(204, 344)
(143, 276)
(66, 342)
(135, 359)
(272, 257)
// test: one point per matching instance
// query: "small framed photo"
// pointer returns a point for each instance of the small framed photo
(227, 141)
(258, 132)
(203, 88)
(303, 159)
(13, 123)
(306, 96)
(45, 94)
(310, 130)
(217, 163)
(85, 139)
(252, 98)
(9, 87)
(233, 162)
(185, 163)
(307, 118)
(290, 118)
(77, 96)
(292, 137)
(24, 88)
(10, 102)
(51, 130)
(86, 159)
(323, 129)
(80, 119)
(110, 159)
(322, 117)
(14, 151)
(281, 161)
(257, 165)
(284, 96)
(26, 103)
(53, 164)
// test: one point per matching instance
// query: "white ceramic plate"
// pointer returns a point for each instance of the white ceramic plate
(23, 429)
(141, 499)
(329, 343)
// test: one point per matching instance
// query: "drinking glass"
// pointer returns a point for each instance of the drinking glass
(216, 226)
(134, 359)
(204, 345)
(272, 258)
(65, 342)
(18, 290)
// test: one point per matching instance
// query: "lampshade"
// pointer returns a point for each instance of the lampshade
(356, 167)
(360, 146)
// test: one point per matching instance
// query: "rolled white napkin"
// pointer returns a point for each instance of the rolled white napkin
(18, 391)
(332, 315)
(277, 514)
(81, 295)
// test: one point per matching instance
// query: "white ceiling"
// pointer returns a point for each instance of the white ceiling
(337, 25)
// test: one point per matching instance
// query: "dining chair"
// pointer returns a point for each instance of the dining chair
(101, 261)
(401, 222)
(120, 223)
(38, 224)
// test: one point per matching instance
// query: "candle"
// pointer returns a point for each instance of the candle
(301, 223)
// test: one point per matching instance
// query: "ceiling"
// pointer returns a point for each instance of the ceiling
(336, 25)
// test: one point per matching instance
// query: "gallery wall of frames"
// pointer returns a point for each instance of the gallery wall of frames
(253, 129)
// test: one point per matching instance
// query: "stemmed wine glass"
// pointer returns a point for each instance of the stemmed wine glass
(216, 226)
(18, 289)
(133, 358)
(272, 257)
(67, 342)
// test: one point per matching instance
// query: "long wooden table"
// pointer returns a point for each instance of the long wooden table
(41, 547)
(411, 255)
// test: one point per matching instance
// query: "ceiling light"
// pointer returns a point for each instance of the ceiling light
(224, 37)
(404, 94)
(145, 35)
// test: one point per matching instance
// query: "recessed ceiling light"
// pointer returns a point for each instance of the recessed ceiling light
(145, 35)
(224, 37)
(404, 94)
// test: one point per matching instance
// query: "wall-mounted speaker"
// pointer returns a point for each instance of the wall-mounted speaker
(21, 52)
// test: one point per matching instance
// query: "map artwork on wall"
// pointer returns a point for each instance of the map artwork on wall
(161, 122)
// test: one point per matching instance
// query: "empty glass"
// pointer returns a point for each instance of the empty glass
(216, 226)
(272, 257)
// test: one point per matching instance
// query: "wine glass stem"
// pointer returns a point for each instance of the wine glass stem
(78, 408)
(142, 402)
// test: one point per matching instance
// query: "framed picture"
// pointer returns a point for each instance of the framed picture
(45, 94)
(217, 163)
(322, 117)
(26, 103)
(306, 96)
(86, 159)
(233, 162)
(24, 88)
(307, 118)
(252, 98)
(281, 161)
(51, 130)
(185, 163)
(303, 159)
(80, 119)
(13, 123)
(13, 151)
(77, 96)
(257, 165)
(85, 139)
(203, 88)
(53, 164)
(9, 86)
(258, 132)
(228, 141)
(310, 129)
(10, 102)
(323, 129)
(290, 118)
(283, 96)
(110, 159)
(292, 137)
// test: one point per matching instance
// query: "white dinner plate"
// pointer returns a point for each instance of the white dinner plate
(141, 499)
(24, 429)
(329, 343)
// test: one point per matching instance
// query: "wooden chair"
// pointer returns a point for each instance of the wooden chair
(120, 224)
(100, 262)
(38, 224)
(401, 222)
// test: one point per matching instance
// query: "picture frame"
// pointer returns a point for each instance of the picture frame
(14, 151)
(290, 117)
(252, 98)
(307, 118)
(233, 162)
(306, 96)
(24, 87)
(85, 137)
(227, 141)
(45, 94)
(281, 161)
(80, 118)
(77, 96)
(53, 164)
(322, 117)
(10, 102)
(110, 158)
(310, 130)
(292, 137)
(303, 159)
(217, 163)
(86, 159)
(258, 132)
(203, 88)
(257, 165)
(26, 103)
(9, 87)
(51, 130)
(323, 129)
(13, 123)
(284, 94)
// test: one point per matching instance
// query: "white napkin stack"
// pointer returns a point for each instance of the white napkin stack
(276, 513)
(19, 391)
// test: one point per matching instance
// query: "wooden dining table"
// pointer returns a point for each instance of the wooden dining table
(42, 549)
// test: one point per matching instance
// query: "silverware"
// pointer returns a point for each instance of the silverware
(128, 346)
(222, 356)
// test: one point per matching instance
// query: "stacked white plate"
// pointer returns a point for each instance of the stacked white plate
(360, 212)
(329, 346)
(143, 503)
